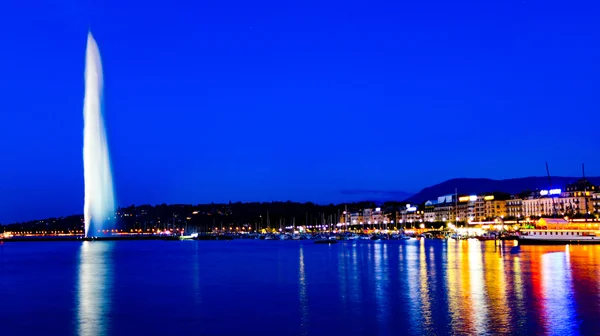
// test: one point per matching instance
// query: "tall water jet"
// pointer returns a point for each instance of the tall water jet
(99, 198)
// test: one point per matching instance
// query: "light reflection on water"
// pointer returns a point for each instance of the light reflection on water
(558, 306)
(459, 284)
(381, 282)
(495, 286)
(424, 284)
(411, 287)
(409, 251)
(479, 309)
(94, 287)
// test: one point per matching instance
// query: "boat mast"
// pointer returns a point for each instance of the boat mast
(585, 191)
(456, 207)
(346, 222)
(550, 185)
(306, 220)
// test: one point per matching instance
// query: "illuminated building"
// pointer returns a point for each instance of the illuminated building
(444, 208)
(378, 216)
(514, 207)
(412, 214)
(576, 199)
(367, 216)
(356, 218)
(491, 206)
(429, 211)
(539, 204)
(465, 208)
(596, 202)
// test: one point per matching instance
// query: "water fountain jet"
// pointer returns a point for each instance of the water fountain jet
(99, 197)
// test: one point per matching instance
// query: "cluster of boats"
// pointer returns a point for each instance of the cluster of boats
(352, 236)
(560, 236)
(544, 236)
(334, 236)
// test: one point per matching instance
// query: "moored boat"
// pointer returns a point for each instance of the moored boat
(352, 236)
(555, 231)
(486, 236)
(558, 237)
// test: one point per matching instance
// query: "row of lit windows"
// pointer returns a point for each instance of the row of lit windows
(557, 233)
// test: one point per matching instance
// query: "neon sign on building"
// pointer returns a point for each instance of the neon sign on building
(550, 192)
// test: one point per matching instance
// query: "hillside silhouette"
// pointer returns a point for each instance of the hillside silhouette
(484, 185)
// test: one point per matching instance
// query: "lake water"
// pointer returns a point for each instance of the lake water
(246, 287)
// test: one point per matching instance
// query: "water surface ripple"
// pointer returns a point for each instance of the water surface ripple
(248, 287)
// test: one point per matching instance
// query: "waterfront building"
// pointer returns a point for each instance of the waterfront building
(367, 216)
(465, 209)
(378, 216)
(596, 202)
(412, 214)
(444, 208)
(429, 211)
(540, 203)
(514, 207)
(370, 217)
(575, 200)
(491, 206)
(356, 218)
(480, 208)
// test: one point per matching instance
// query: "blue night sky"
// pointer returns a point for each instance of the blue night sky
(301, 100)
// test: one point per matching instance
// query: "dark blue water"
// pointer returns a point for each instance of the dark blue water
(297, 288)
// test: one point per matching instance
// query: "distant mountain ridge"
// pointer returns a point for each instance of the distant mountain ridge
(482, 185)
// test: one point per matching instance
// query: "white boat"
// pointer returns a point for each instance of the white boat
(558, 231)
(558, 237)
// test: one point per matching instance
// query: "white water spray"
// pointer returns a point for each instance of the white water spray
(99, 198)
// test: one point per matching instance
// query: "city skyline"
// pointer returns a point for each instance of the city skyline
(299, 167)
(256, 104)
(515, 205)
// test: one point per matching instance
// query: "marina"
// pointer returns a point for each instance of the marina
(545, 231)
